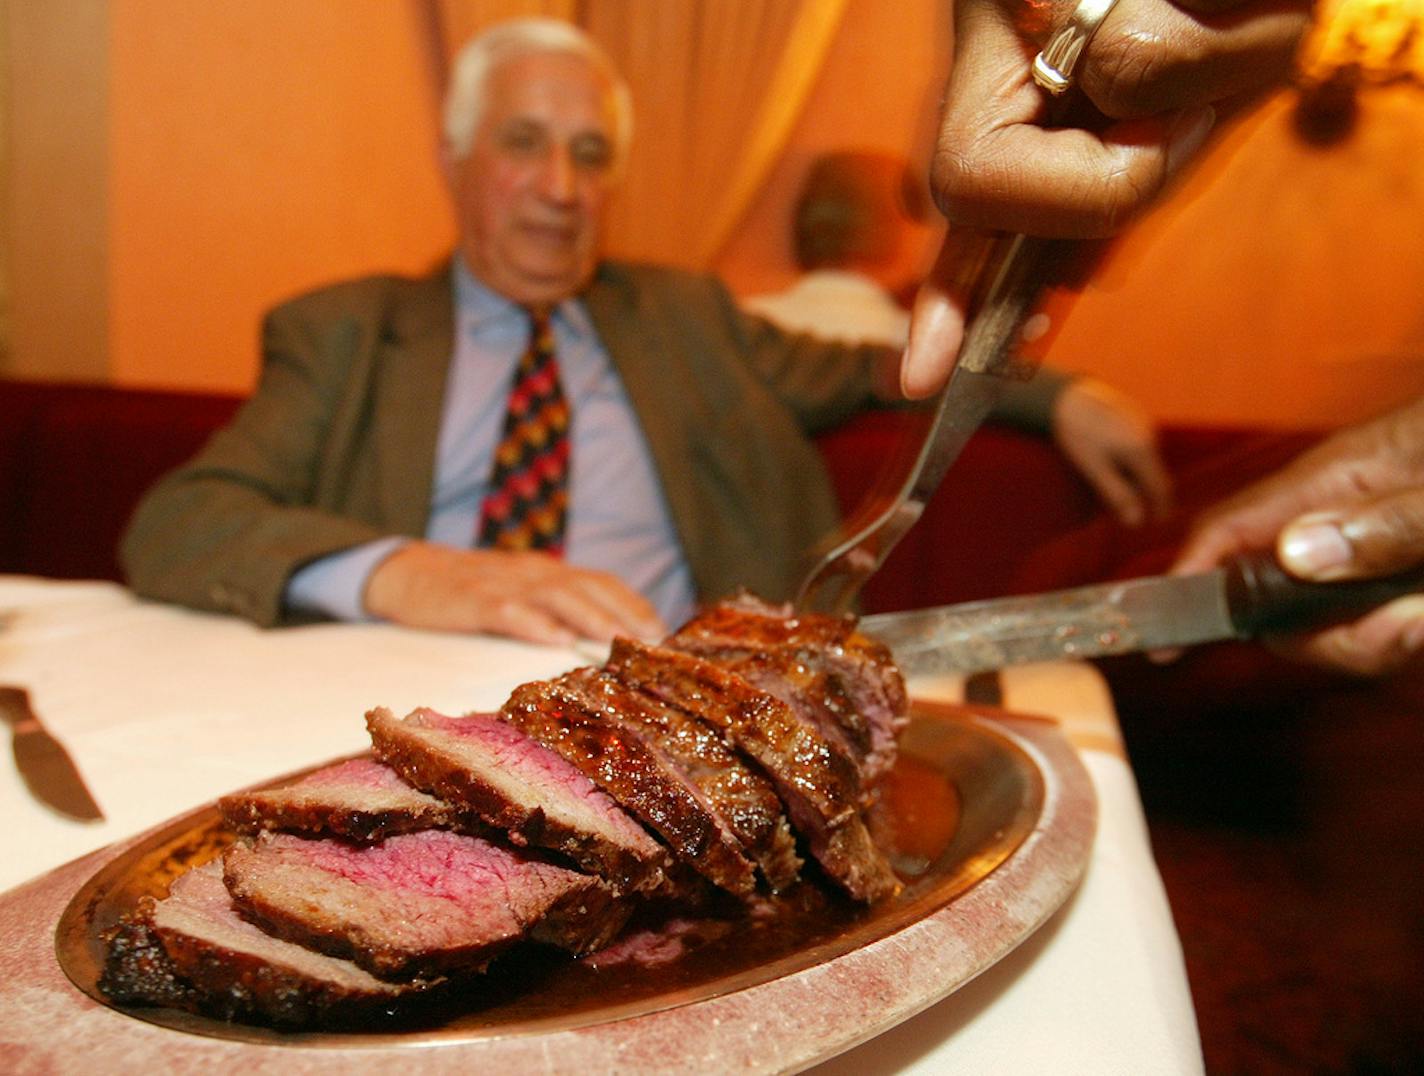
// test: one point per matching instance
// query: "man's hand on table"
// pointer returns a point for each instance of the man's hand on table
(530, 596)
(1350, 508)
(1146, 92)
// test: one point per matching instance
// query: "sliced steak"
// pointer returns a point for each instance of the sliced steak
(361, 800)
(193, 951)
(583, 729)
(834, 675)
(741, 797)
(802, 688)
(519, 786)
(417, 904)
(818, 784)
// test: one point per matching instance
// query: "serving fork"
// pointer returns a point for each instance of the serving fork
(1004, 277)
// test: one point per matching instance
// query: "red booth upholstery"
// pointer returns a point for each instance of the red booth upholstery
(1010, 516)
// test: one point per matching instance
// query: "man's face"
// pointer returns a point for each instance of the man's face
(530, 194)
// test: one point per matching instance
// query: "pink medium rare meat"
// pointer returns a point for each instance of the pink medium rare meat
(818, 784)
(740, 796)
(193, 951)
(654, 947)
(519, 786)
(419, 904)
(636, 773)
(360, 799)
(839, 678)
(748, 714)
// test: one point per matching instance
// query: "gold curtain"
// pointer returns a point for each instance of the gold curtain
(448, 24)
(465, 18)
(717, 86)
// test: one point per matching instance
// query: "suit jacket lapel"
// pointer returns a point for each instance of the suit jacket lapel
(410, 390)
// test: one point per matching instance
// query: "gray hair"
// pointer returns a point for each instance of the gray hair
(465, 98)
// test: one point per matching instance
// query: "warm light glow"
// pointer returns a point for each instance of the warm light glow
(1375, 41)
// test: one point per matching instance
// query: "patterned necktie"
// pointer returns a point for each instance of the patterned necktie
(527, 503)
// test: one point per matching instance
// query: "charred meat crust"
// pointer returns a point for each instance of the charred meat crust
(360, 800)
(474, 763)
(847, 681)
(818, 784)
(636, 774)
(740, 795)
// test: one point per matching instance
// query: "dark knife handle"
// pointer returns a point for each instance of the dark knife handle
(1265, 599)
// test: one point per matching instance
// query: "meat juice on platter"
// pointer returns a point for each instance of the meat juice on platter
(686, 808)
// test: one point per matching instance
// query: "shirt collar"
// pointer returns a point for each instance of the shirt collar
(477, 305)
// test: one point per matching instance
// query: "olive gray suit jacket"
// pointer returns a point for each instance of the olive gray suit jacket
(337, 445)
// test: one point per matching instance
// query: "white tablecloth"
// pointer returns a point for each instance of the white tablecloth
(164, 709)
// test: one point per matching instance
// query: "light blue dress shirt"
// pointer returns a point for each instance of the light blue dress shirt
(618, 517)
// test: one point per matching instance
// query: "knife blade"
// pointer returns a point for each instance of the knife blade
(44, 764)
(1247, 597)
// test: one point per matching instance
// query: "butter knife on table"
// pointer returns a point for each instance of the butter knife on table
(1248, 597)
(47, 769)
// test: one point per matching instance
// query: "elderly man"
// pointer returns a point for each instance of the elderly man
(531, 442)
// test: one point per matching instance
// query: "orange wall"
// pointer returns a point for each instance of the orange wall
(55, 186)
(1282, 284)
(259, 147)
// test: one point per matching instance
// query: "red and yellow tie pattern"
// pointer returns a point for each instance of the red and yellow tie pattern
(526, 506)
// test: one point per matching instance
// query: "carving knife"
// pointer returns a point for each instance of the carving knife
(1245, 598)
(48, 771)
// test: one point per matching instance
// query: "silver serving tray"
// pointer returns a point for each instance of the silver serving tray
(990, 820)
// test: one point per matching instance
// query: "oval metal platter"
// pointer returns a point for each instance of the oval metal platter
(989, 821)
